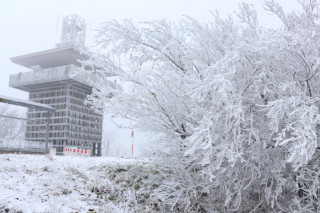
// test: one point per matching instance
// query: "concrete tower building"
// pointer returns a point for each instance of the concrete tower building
(54, 80)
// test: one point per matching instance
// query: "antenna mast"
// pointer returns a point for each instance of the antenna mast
(73, 31)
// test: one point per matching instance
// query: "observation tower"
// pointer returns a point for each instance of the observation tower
(54, 80)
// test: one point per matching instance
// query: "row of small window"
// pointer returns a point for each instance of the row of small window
(44, 114)
(63, 135)
(52, 120)
(51, 128)
(84, 120)
(58, 120)
(82, 129)
(79, 90)
(82, 123)
(58, 114)
(85, 137)
(85, 124)
(77, 102)
(86, 130)
(75, 142)
(83, 109)
(78, 143)
(47, 94)
(86, 117)
(42, 135)
(48, 90)
(78, 95)
(59, 106)
(55, 106)
(52, 101)
(37, 115)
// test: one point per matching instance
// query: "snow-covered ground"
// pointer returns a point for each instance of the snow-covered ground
(36, 183)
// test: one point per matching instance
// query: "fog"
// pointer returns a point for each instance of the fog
(33, 25)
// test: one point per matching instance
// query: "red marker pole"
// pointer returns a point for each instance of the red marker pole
(132, 134)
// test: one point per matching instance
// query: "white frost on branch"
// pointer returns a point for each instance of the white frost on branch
(235, 106)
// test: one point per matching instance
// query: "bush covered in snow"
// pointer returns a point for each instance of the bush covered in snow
(235, 106)
(34, 183)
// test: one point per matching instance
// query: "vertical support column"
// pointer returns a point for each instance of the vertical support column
(67, 124)
(99, 149)
(47, 133)
(93, 149)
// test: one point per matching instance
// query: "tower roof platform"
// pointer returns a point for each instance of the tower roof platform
(51, 58)
(60, 64)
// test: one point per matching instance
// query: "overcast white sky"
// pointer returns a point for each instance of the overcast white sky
(28, 26)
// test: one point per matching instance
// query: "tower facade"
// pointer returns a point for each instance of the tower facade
(55, 80)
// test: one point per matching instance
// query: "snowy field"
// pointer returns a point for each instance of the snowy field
(36, 183)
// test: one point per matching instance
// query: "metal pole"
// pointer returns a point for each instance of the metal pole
(132, 134)
(47, 133)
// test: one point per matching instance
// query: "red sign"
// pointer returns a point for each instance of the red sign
(71, 151)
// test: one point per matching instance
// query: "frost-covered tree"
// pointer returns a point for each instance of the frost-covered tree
(108, 144)
(12, 129)
(235, 106)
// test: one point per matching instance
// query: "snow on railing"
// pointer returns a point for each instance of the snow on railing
(25, 146)
(51, 75)
(42, 76)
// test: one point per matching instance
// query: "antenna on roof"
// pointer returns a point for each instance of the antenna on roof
(57, 28)
(73, 31)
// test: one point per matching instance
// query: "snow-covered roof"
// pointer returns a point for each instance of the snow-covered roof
(51, 58)
(25, 103)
